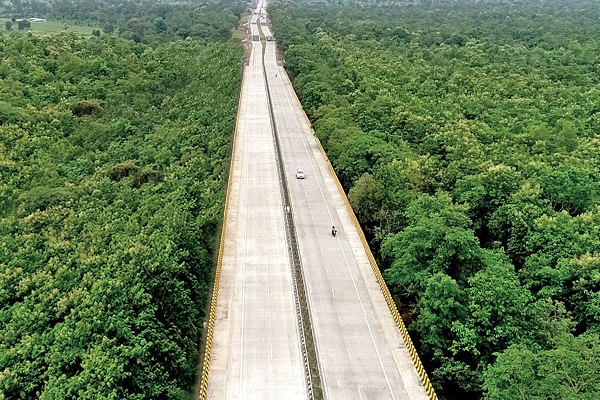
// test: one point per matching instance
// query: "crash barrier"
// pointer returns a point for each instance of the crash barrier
(215, 291)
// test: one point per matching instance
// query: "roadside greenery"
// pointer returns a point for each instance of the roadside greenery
(144, 21)
(113, 161)
(467, 137)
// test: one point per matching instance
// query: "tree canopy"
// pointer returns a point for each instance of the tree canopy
(113, 162)
(144, 21)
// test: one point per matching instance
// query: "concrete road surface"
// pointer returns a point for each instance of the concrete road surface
(256, 349)
(360, 349)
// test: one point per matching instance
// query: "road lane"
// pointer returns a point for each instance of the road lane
(256, 350)
(361, 352)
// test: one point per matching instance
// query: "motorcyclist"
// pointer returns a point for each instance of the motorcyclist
(333, 231)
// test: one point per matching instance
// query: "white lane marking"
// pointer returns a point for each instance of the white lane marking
(268, 284)
(320, 248)
(268, 281)
(362, 307)
(341, 323)
(333, 293)
(349, 354)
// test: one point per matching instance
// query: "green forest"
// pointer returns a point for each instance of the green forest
(113, 164)
(144, 21)
(467, 136)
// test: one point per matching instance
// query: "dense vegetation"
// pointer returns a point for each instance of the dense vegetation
(467, 135)
(145, 21)
(113, 160)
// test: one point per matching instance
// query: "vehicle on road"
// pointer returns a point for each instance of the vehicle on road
(300, 174)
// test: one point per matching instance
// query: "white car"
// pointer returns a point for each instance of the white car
(300, 174)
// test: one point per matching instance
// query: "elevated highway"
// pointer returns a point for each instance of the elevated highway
(257, 347)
